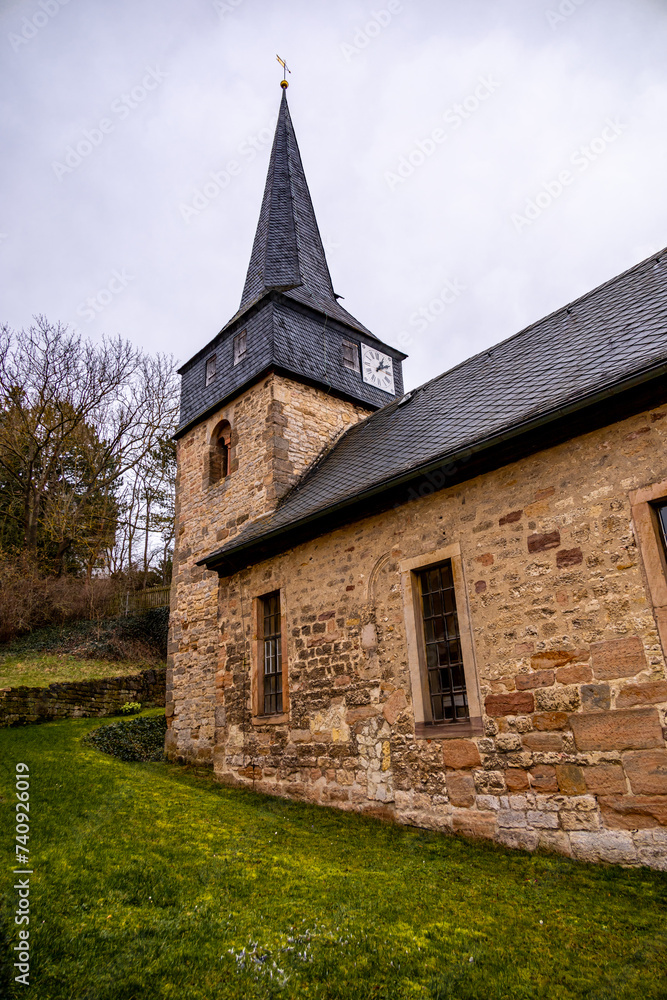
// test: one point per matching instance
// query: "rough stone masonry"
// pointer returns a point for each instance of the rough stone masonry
(569, 661)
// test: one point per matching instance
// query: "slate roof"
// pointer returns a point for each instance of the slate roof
(287, 254)
(600, 342)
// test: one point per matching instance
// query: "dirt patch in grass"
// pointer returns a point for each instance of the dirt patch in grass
(153, 881)
(30, 669)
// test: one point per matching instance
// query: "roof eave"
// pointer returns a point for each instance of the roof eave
(232, 558)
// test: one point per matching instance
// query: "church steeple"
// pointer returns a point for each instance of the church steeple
(287, 251)
(289, 320)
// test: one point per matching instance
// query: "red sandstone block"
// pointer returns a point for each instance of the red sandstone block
(510, 518)
(543, 742)
(475, 823)
(524, 648)
(634, 812)
(605, 779)
(647, 771)
(577, 673)
(625, 730)
(618, 658)
(552, 658)
(480, 586)
(570, 779)
(535, 679)
(516, 703)
(460, 753)
(569, 557)
(393, 706)
(460, 788)
(652, 693)
(486, 559)
(543, 778)
(546, 721)
(544, 494)
(544, 541)
(516, 779)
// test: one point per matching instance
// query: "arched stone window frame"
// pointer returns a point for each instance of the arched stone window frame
(219, 453)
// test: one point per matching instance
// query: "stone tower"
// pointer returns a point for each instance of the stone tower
(289, 373)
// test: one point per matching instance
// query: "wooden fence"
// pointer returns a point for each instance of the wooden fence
(141, 600)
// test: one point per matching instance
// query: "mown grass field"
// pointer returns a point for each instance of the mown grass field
(153, 882)
(33, 669)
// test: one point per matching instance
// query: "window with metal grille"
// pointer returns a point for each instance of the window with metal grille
(442, 642)
(272, 679)
(210, 369)
(240, 346)
(351, 355)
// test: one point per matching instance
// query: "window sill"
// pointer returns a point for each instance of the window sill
(449, 731)
(270, 720)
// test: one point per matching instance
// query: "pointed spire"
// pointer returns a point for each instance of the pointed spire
(288, 252)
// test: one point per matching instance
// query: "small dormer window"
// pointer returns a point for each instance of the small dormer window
(240, 346)
(210, 369)
(351, 355)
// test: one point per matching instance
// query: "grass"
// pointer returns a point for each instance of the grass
(34, 669)
(151, 881)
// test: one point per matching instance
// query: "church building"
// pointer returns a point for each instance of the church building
(446, 607)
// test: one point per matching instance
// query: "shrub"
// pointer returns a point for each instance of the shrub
(135, 740)
(131, 708)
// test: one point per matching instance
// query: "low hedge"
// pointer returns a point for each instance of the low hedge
(135, 740)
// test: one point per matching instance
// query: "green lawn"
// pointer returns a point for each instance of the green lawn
(153, 882)
(33, 669)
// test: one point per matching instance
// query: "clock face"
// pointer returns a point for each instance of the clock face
(377, 368)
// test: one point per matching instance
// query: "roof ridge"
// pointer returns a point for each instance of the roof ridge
(538, 322)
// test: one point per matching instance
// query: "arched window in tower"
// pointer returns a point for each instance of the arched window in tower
(219, 453)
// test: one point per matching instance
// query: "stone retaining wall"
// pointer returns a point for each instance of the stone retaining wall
(81, 699)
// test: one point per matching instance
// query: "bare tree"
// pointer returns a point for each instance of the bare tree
(108, 402)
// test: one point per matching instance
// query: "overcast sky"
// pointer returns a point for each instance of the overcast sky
(473, 165)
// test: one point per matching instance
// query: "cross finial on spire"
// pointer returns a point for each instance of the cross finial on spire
(283, 83)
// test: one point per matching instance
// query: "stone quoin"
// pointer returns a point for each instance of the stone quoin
(446, 607)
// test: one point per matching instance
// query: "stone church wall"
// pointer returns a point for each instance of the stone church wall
(569, 662)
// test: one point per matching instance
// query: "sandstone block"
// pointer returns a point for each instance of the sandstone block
(618, 658)
(460, 753)
(511, 518)
(534, 679)
(543, 820)
(543, 742)
(511, 818)
(647, 771)
(543, 778)
(393, 706)
(555, 840)
(637, 729)
(558, 699)
(547, 721)
(605, 779)
(544, 541)
(595, 696)
(489, 782)
(552, 658)
(652, 693)
(580, 820)
(460, 788)
(604, 845)
(515, 703)
(634, 812)
(570, 779)
(525, 840)
(516, 779)
(569, 557)
(576, 673)
(474, 823)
